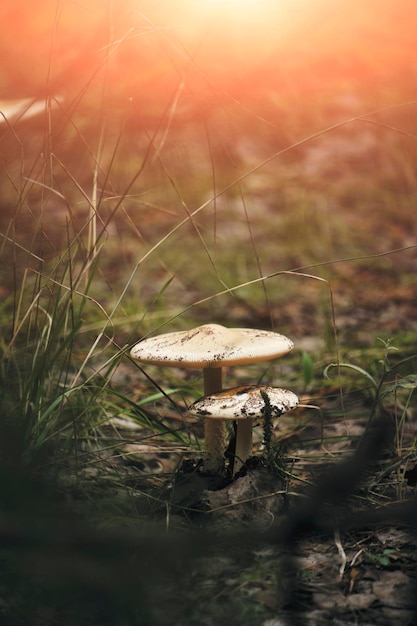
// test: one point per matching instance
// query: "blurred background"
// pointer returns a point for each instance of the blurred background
(141, 113)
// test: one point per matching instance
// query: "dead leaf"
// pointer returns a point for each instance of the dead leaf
(394, 589)
(339, 602)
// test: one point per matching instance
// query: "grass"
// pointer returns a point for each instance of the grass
(118, 227)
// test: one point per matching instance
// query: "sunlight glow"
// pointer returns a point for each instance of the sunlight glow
(240, 29)
(200, 50)
(242, 5)
(240, 9)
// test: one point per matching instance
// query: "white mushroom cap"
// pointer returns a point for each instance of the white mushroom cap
(211, 345)
(245, 405)
(245, 402)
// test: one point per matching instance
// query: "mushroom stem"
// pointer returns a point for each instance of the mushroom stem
(214, 429)
(214, 433)
(243, 442)
(212, 380)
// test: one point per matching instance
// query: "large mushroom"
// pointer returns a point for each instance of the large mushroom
(212, 347)
(244, 405)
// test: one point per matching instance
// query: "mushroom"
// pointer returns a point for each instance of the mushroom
(212, 347)
(245, 404)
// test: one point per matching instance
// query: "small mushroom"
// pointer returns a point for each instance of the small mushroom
(212, 347)
(245, 405)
